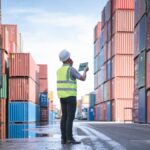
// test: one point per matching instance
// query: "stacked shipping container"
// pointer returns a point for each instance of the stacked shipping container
(23, 91)
(43, 84)
(116, 66)
(142, 61)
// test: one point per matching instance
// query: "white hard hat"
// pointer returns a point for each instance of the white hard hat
(64, 55)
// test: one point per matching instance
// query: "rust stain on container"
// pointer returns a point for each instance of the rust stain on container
(123, 21)
(123, 43)
(123, 66)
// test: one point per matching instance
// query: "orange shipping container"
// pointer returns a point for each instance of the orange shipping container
(42, 71)
(43, 85)
(122, 4)
(123, 43)
(123, 21)
(122, 87)
(22, 64)
(123, 66)
(22, 89)
(119, 111)
(2, 110)
(148, 106)
(148, 70)
(2, 131)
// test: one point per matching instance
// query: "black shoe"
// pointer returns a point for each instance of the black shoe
(73, 141)
(63, 141)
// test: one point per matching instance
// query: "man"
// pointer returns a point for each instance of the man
(67, 92)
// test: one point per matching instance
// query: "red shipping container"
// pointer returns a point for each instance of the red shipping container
(123, 88)
(148, 106)
(123, 21)
(140, 10)
(4, 61)
(148, 32)
(9, 37)
(97, 96)
(2, 131)
(2, 110)
(119, 111)
(123, 66)
(22, 64)
(43, 85)
(123, 43)
(44, 114)
(22, 89)
(122, 4)
(102, 112)
(136, 40)
(148, 70)
(97, 31)
(43, 71)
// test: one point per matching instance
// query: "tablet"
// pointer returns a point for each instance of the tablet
(82, 66)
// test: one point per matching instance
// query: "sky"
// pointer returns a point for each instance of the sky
(48, 26)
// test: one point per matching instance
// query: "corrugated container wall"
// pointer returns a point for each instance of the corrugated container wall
(148, 106)
(148, 70)
(2, 111)
(97, 31)
(42, 71)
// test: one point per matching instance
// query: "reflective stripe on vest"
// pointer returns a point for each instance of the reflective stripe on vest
(65, 85)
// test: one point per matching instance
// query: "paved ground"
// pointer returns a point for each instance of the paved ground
(94, 136)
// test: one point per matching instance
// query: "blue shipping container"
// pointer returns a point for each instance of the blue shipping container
(92, 99)
(109, 70)
(44, 99)
(21, 131)
(91, 114)
(38, 113)
(142, 105)
(108, 111)
(21, 112)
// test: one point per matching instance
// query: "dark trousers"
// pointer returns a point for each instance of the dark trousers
(68, 106)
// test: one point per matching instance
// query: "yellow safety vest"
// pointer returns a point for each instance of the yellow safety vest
(65, 85)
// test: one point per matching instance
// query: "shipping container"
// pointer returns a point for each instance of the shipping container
(2, 110)
(91, 114)
(105, 52)
(22, 89)
(101, 58)
(2, 131)
(95, 80)
(122, 5)
(109, 29)
(98, 113)
(3, 89)
(109, 70)
(103, 18)
(148, 106)
(141, 70)
(102, 39)
(108, 111)
(42, 71)
(143, 31)
(136, 73)
(95, 113)
(148, 32)
(37, 113)
(148, 70)
(21, 130)
(97, 31)
(22, 64)
(92, 97)
(103, 111)
(21, 112)
(44, 99)
(140, 10)
(122, 87)
(109, 51)
(142, 105)
(105, 32)
(122, 66)
(43, 114)
(137, 40)
(101, 92)
(108, 11)
(123, 43)
(123, 21)
(147, 6)
(122, 110)
(105, 91)
(136, 106)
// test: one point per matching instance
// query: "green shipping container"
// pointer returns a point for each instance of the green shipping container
(3, 90)
(141, 70)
